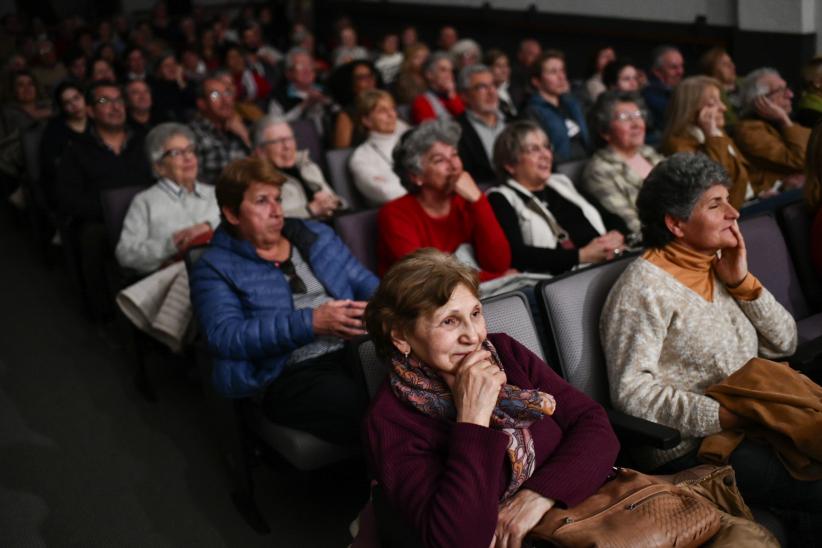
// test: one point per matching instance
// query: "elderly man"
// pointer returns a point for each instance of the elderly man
(481, 122)
(219, 131)
(667, 71)
(441, 100)
(301, 98)
(766, 135)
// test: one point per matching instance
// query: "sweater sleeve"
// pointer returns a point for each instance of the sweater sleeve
(398, 234)
(136, 248)
(774, 325)
(421, 110)
(633, 327)
(489, 241)
(448, 494)
(718, 148)
(783, 151)
(525, 257)
(374, 179)
(599, 182)
(588, 449)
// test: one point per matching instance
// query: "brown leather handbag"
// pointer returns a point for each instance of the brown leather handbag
(632, 510)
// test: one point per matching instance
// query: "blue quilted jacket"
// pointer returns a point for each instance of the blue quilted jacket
(245, 307)
(552, 122)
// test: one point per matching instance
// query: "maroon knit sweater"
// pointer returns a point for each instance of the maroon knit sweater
(446, 478)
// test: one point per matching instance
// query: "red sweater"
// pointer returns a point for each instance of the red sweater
(421, 109)
(405, 227)
(446, 478)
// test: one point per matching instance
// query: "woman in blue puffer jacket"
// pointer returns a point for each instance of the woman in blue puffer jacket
(277, 299)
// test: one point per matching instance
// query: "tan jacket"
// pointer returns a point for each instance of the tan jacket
(774, 153)
(720, 149)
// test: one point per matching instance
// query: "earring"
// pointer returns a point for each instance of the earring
(405, 355)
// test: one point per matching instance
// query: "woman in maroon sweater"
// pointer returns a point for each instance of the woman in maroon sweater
(443, 209)
(473, 438)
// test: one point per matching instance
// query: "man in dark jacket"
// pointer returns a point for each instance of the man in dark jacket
(481, 123)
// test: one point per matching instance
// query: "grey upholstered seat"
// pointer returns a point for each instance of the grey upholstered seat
(307, 137)
(573, 169)
(359, 232)
(337, 161)
(507, 313)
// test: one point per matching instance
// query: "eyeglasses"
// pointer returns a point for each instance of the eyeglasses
(110, 101)
(296, 283)
(483, 87)
(781, 90)
(215, 95)
(190, 150)
(364, 76)
(533, 149)
(629, 116)
(279, 142)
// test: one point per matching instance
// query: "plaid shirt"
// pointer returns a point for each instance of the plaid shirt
(215, 149)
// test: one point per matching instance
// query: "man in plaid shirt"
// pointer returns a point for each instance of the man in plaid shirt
(220, 133)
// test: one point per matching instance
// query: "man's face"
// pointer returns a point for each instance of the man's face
(136, 62)
(302, 73)
(528, 52)
(671, 68)
(108, 109)
(778, 91)
(481, 95)
(218, 101)
(138, 96)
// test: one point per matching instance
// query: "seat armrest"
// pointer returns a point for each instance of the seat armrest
(638, 431)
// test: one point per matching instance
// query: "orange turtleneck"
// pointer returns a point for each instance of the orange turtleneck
(694, 270)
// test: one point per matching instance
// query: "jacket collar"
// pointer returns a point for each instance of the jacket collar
(295, 230)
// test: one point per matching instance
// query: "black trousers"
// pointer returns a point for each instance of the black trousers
(320, 396)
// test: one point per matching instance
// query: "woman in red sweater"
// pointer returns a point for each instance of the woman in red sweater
(473, 438)
(444, 207)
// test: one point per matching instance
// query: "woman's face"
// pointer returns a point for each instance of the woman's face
(711, 98)
(168, 69)
(234, 61)
(179, 161)
(627, 79)
(24, 89)
(279, 145)
(605, 56)
(419, 57)
(501, 70)
(626, 131)
(73, 104)
(441, 166)
(382, 118)
(362, 79)
(709, 226)
(443, 338)
(101, 70)
(725, 70)
(535, 159)
(260, 216)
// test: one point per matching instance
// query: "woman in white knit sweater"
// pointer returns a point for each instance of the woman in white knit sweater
(685, 316)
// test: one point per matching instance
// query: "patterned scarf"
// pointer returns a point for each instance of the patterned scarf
(422, 387)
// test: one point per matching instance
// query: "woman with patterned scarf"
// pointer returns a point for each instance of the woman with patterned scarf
(473, 438)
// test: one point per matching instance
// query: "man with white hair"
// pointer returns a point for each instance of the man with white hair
(481, 123)
(767, 136)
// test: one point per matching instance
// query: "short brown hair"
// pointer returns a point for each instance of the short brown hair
(536, 68)
(238, 176)
(413, 287)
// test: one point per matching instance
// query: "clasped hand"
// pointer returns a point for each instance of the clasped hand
(340, 319)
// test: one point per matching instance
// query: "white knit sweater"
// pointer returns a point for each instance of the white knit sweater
(665, 345)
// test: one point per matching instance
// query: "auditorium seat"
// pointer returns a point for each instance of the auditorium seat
(359, 232)
(340, 177)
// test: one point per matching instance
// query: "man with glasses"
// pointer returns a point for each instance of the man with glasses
(111, 155)
(767, 136)
(667, 70)
(481, 123)
(221, 135)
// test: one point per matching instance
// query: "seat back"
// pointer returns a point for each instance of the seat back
(359, 232)
(769, 260)
(573, 169)
(508, 313)
(192, 255)
(573, 304)
(341, 180)
(307, 137)
(796, 220)
(115, 203)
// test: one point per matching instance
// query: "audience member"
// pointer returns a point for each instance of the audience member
(77, 66)
(444, 208)
(464, 53)
(462, 409)
(70, 123)
(101, 70)
(173, 97)
(446, 38)
(411, 81)
(371, 163)
(685, 317)
(138, 105)
(621, 75)
(617, 169)
(717, 64)
(348, 50)
(766, 135)
(809, 109)
(667, 70)
(549, 225)
(346, 84)
(497, 61)
(697, 119)
(556, 110)
(408, 37)
(277, 298)
(25, 108)
(301, 98)
(481, 123)
(135, 65)
(48, 71)
(389, 57)
(528, 53)
(176, 212)
(304, 192)
(250, 84)
(441, 100)
(594, 84)
(218, 130)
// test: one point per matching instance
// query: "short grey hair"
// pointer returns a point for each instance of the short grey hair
(464, 46)
(673, 188)
(435, 58)
(263, 124)
(659, 52)
(602, 113)
(751, 88)
(157, 138)
(464, 80)
(292, 53)
(414, 144)
(508, 146)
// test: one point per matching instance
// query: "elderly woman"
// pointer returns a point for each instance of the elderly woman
(371, 164)
(441, 99)
(305, 193)
(463, 408)
(615, 173)
(277, 299)
(688, 314)
(696, 118)
(549, 225)
(443, 209)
